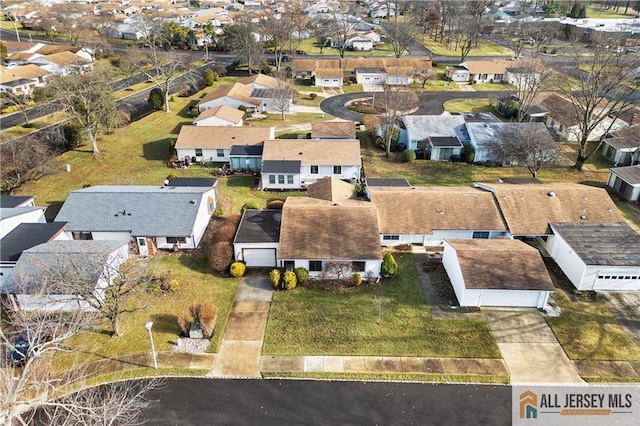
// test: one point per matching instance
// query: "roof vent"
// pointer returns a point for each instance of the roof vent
(192, 201)
(583, 217)
(551, 194)
(233, 137)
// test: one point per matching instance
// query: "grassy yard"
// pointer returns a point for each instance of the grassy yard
(492, 87)
(437, 84)
(485, 48)
(390, 319)
(587, 330)
(470, 105)
(598, 11)
(304, 85)
(311, 47)
(352, 88)
(197, 284)
(38, 123)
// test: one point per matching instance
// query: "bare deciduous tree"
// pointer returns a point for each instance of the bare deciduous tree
(341, 31)
(526, 144)
(248, 50)
(21, 102)
(321, 29)
(605, 85)
(395, 101)
(531, 78)
(88, 99)
(25, 161)
(283, 95)
(401, 36)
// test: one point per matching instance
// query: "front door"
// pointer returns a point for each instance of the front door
(142, 246)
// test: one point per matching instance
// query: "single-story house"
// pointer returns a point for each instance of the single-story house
(328, 77)
(220, 116)
(418, 128)
(49, 277)
(153, 217)
(482, 136)
(22, 79)
(257, 238)
(215, 143)
(360, 43)
(303, 68)
(371, 75)
(524, 73)
(457, 73)
(246, 157)
(11, 201)
(11, 217)
(348, 242)
(23, 237)
(622, 151)
(597, 256)
(529, 208)
(440, 148)
(399, 76)
(478, 71)
(232, 95)
(625, 181)
(427, 215)
(274, 100)
(63, 63)
(292, 164)
(507, 273)
(337, 129)
(261, 81)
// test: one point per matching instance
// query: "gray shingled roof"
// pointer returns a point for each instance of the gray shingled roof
(25, 236)
(271, 93)
(282, 166)
(259, 226)
(57, 263)
(387, 182)
(630, 174)
(606, 244)
(6, 213)
(8, 201)
(623, 143)
(255, 150)
(149, 211)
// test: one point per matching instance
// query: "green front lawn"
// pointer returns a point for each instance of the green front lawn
(312, 47)
(389, 319)
(352, 88)
(492, 87)
(485, 48)
(470, 105)
(587, 330)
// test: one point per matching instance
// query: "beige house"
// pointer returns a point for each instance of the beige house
(479, 71)
(333, 130)
(220, 116)
(210, 143)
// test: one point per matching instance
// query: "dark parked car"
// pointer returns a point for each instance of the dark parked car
(18, 356)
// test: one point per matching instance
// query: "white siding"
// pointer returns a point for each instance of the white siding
(161, 243)
(266, 185)
(349, 172)
(452, 266)
(9, 224)
(329, 81)
(239, 249)
(572, 266)
(372, 267)
(207, 154)
(111, 236)
(230, 102)
(204, 215)
(620, 278)
(217, 122)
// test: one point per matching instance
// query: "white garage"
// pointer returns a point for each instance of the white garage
(506, 273)
(597, 256)
(257, 239)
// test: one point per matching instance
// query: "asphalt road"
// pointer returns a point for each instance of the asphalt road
(299, 402)
(430, 103)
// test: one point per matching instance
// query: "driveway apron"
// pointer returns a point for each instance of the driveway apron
(239, 354)
(529, 347)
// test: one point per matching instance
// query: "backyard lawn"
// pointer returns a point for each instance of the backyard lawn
(470, 105)
(312, 47)
(485, 48)
(388, 319)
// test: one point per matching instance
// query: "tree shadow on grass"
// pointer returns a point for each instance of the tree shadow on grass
(53, 207)
(186, 111)
(176, 130)
(237, 181)
(157, 150)
(166, 323)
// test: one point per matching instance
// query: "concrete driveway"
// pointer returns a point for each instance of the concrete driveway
(529, 347)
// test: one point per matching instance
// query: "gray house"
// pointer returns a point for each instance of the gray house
(625, 181)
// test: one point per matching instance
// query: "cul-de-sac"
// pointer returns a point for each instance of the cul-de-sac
(319, 212)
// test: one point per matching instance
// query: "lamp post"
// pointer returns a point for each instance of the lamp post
(153, 348)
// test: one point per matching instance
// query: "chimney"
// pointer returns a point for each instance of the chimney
(634, 119)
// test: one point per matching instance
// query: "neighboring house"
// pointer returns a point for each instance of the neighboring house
(304, 68)
(198, 41)
(273, 101)
(532, 113)
(11, 217)
(524, 74)
(597, 256)
(370, 75)
(625, 181)
(153, 217)
(399, 76)
(348, 242)
(479, 71)
(125, 31)
(214, 144)
(507, 273)
(418, 128)
(529, 208)
(63, 63)
(261, 81)
(427, 215)
(220, 116)
(22, 79)
(23, 237)
(232, 95)
(622, 151)
(328, 77)
(337, 129)
(257, 240)
(483, 136)
(292, 164)
(360, 43)
(49, 276)
(440, 148)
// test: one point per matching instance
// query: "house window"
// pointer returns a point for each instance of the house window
(314, 170)
(290, 179)
(481, 234)
(198, 152)
(289, 265)
(359, 266)
(82, 235)
(220, 153)
(498, 77)
(176, 240)
(272, 179)
(315, 266)
(391, 237)
(482, 77)
(337, 170)
(281, 179)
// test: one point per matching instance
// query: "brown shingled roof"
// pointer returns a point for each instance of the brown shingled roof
(331, 189)
(501, 265)
(329, 72)
(428, 208)
(29, 71)
(349, 230)
(333, 129)
(496, 66)
(529, 208)
(317, 152)
(66, 58)
(224, 112)
(262, 79)
(220, 137)
(236, 90)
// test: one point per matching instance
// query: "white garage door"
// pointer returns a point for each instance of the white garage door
(259, 257)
